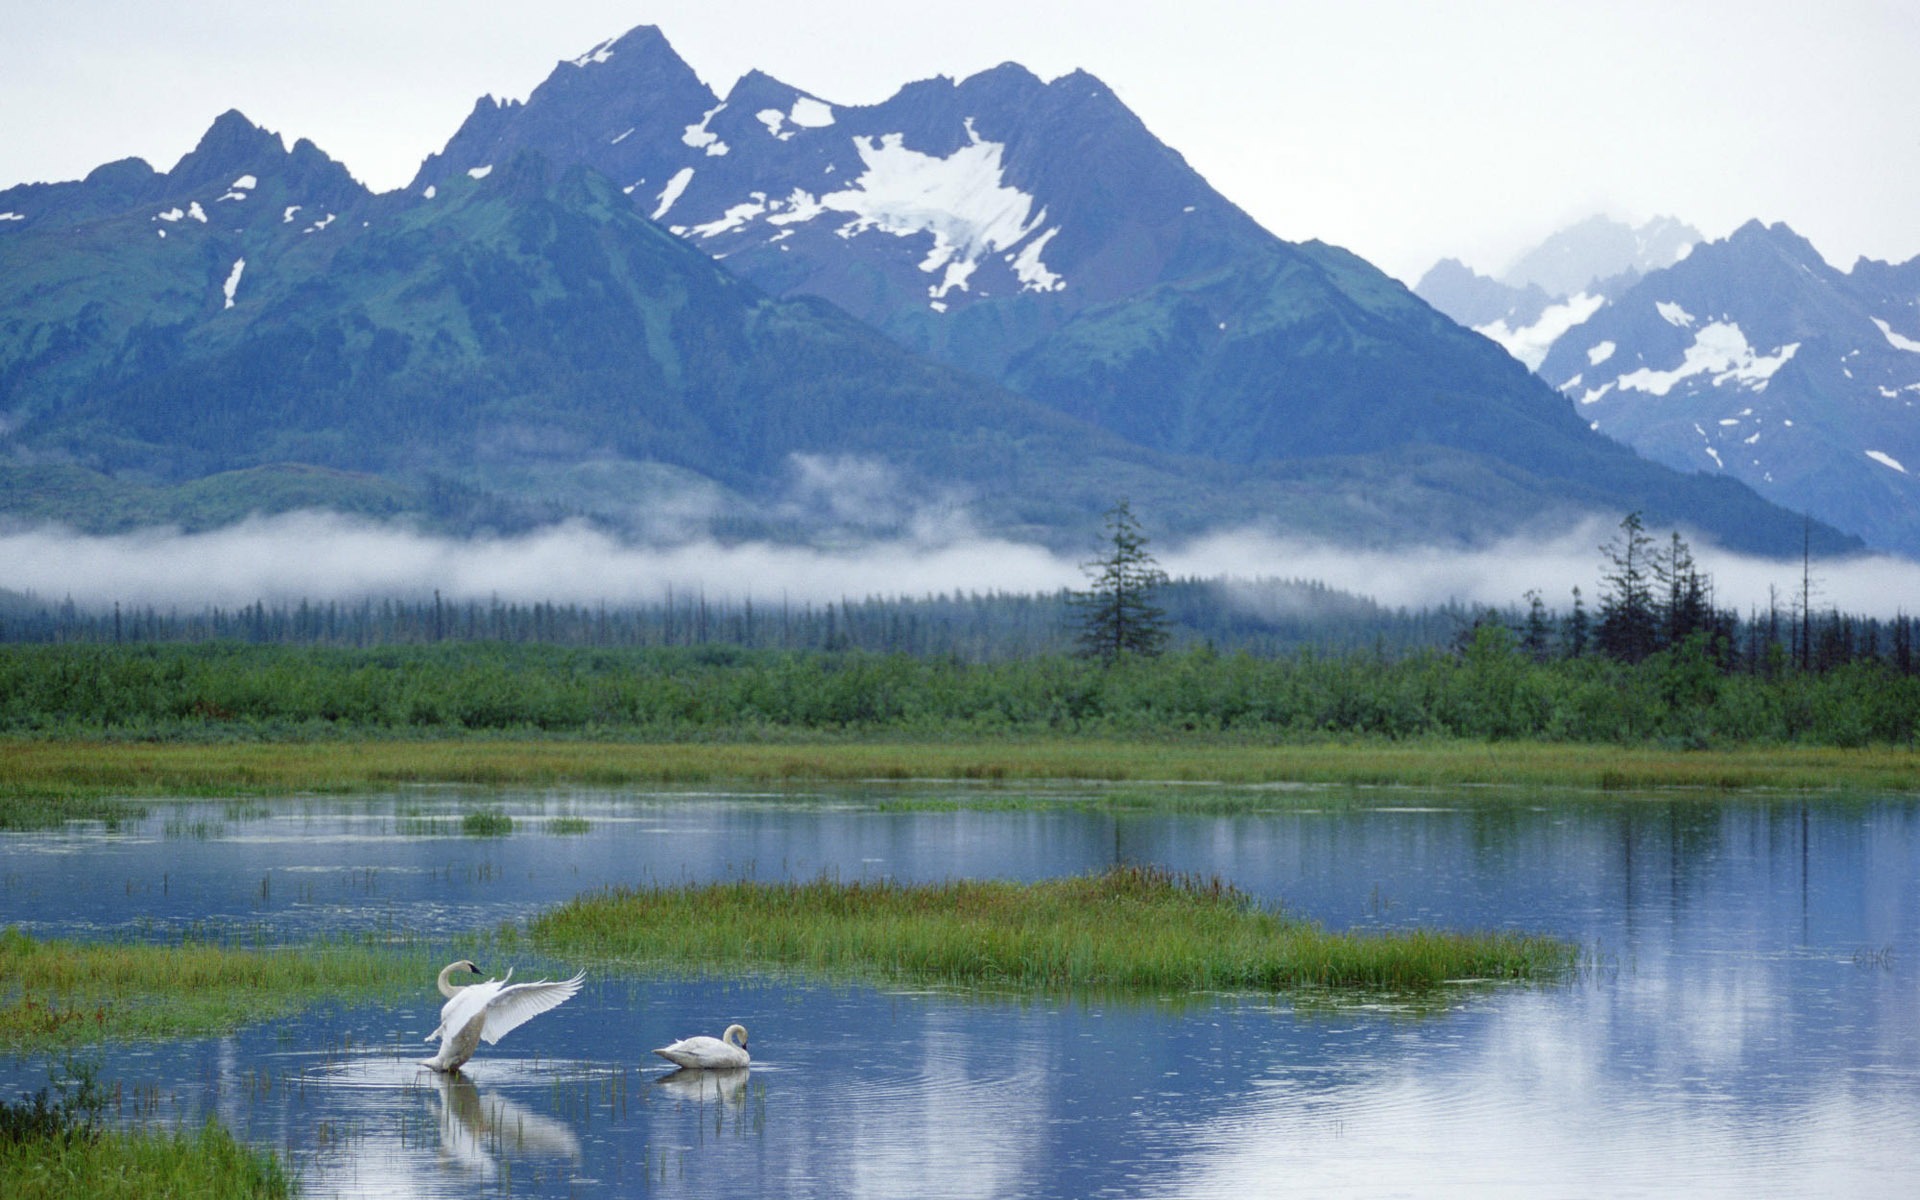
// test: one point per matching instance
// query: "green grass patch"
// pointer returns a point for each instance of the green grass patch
(486, 822)
(48, 781)
(63, 993)
(209, 1164)
(51, 809)
(54, 1144)
(1131, 928)
(568, 826)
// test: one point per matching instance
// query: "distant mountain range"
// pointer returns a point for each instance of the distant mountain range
(1750, 358)
(630, 300)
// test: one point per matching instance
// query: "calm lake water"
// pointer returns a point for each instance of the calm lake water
(1749, 1023)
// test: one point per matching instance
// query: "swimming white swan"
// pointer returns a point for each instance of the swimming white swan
(708, 1053)
(488, 1011)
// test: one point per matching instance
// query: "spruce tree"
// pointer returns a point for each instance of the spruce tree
(1629, 626)
(1117, 614)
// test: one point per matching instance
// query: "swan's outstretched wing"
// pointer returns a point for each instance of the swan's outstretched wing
(516, 1005)
(465, 1005)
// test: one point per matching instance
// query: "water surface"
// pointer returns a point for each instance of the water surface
(1746, 1025)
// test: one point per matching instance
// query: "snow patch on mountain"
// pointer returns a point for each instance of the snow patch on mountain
(481, 172)
(232, 285)
(598, 54)
(701, 138)
(1719, 351)
(1674, 315)
(1600, 352)
(962, 200)
(671, 192)
(1896, 340)
(798, 208)
(809, 113)
(806, 113)
(1886, 460)
(733, 218)
(1530, 343)
(1030, 271)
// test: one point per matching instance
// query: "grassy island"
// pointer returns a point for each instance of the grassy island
(58, 992)
(1131, 928)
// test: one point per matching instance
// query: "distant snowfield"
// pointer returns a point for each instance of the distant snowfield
(1897, 341)
(326, 557)
(1530, 343)
(963, 200)
(1719, 351)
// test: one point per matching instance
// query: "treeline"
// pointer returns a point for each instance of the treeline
(1490, 689)
(1258, 616)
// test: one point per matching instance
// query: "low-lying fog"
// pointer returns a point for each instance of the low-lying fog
(327, 557)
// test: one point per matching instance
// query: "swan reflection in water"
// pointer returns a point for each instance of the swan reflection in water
(478, 1128)
(705, 1086)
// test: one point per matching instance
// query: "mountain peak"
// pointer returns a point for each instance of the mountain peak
(231, 145)
(1779, 238)
(1598, 249)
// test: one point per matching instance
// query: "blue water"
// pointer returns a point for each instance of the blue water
(1748, 1023)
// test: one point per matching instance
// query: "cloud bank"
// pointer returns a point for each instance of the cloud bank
(320, 557)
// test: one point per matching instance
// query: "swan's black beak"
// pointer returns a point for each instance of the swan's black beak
(475, 970)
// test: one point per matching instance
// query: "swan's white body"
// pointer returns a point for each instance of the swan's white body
(710, 1053)
(488, 1012)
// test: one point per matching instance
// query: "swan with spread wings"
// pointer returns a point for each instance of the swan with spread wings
(488, 1011)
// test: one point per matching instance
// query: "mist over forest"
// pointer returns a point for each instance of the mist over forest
(320, 557)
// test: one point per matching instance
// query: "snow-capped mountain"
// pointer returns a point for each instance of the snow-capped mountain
(1000, 192)
(1557, 284)
(1595, 250)
(1037, 234)
(1754, 358)
(627, 291)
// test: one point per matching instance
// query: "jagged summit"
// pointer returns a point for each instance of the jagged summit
(230, 147)
(1584, 256)
(628, 278)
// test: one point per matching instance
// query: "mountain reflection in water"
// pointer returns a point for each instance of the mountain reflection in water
(1744, 1024)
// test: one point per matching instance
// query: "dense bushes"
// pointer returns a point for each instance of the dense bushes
(1491, 689)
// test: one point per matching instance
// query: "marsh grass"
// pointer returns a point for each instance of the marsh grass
(55, 1144)
(209, 1164)
(25, 810)
(49, 781)
(486, 822)
(568, 826)
(55, 993)
(1134, 929)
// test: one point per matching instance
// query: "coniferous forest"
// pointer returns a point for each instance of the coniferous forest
(1653, 660)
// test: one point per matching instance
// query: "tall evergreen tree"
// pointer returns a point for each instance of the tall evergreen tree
(1117, 614)
(1629, 628)
(1579, 628)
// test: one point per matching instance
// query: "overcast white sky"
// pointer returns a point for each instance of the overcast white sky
(1406, 130)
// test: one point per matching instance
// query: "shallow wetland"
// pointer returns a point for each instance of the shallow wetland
(1743, 1020)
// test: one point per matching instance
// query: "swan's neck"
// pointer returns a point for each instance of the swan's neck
(446, 973)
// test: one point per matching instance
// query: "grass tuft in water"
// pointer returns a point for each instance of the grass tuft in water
(569, 825)
(1135, 928)
(55, 993)
(486, 822)
(58, 1147)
